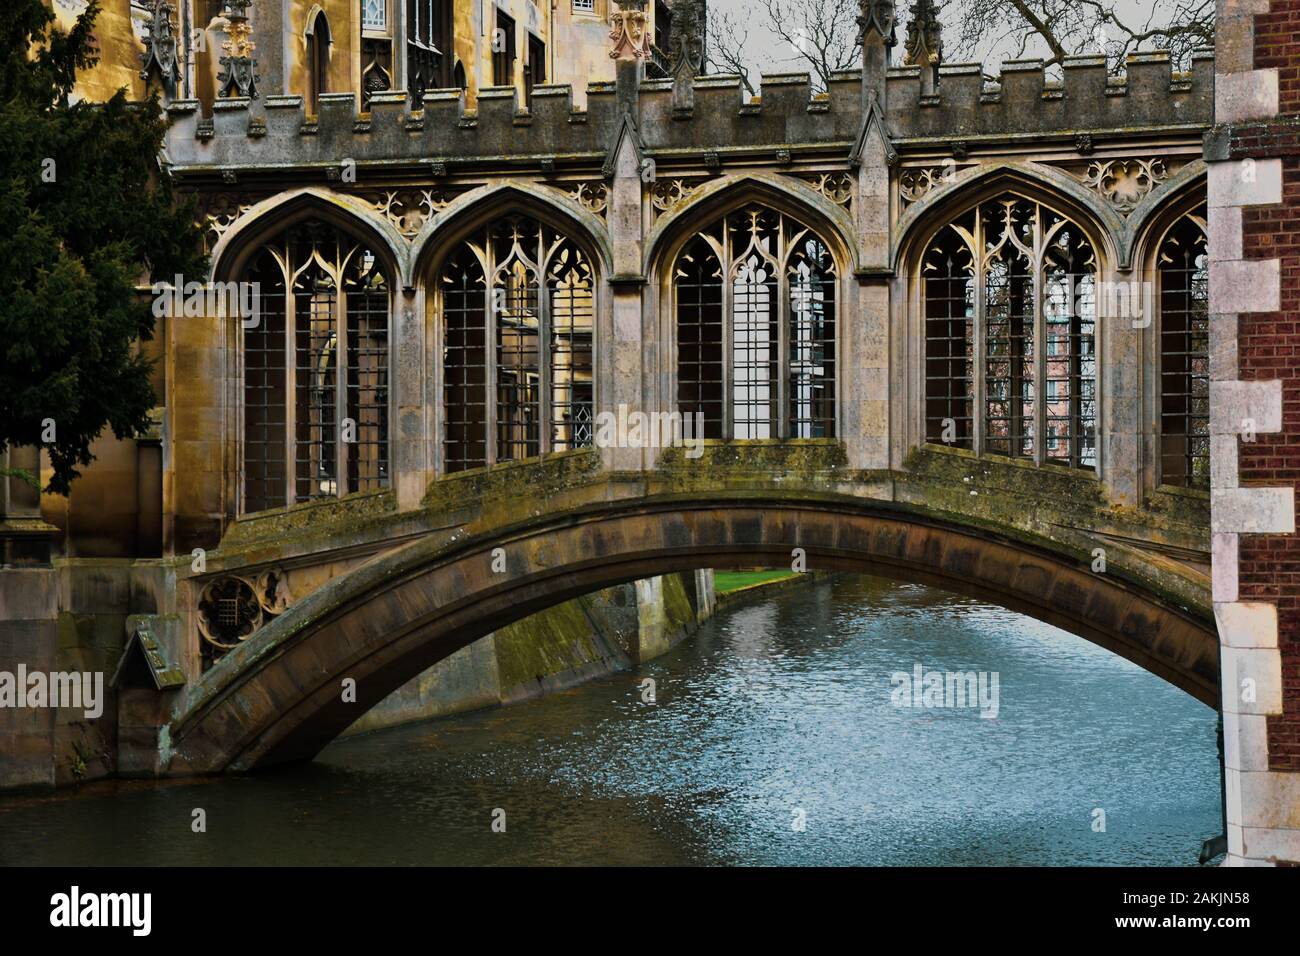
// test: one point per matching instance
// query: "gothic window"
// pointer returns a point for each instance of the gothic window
(318, 57)
(374, 15)
(1010, 335)
(535, 69)
(518, 302)
(315, 370)
(503, 51)
(429, 42)
(754, 297)
(1184, 354)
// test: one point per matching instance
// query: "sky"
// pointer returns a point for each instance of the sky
(770, 55)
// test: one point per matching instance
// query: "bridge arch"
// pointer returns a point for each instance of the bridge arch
(278, 696)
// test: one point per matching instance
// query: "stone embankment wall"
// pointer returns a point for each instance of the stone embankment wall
(561, 647)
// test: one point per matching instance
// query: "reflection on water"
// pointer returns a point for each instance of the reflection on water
(774, 713)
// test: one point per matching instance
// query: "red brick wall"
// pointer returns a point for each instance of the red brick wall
(1277, 46)
(1269, 348)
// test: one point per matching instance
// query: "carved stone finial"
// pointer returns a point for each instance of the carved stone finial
(924, 44)
(876, 17)
(237, 77)
(160, 46)
(628, 31)
(686, 39)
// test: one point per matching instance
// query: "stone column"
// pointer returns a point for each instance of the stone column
(621, 355)
(864, 394)
(415, 432)
(1120, 341)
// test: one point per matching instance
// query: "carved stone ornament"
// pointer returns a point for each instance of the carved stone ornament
(686, 39)
(594, 196)
(409, 209)
(160, 45)
(924, 45)
(229, 613)
(628, 31)
(915, 184)
(876, 16)
(837, 187)
(1125, 182)
(237, 77)
(666, 194)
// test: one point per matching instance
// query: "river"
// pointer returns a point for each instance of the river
(773, 736)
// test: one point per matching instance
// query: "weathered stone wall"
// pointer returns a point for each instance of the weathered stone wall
(561, 647)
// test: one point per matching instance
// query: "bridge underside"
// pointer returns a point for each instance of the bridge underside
(279, 697)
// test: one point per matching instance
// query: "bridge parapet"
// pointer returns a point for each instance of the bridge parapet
(1163, 547)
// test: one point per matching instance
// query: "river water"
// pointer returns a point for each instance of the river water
(772, 737)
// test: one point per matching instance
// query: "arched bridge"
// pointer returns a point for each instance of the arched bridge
(279, 697)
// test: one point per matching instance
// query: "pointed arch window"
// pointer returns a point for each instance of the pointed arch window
(1183, 268)
(518, 304)
(755, 307)
(1010, 335)
(318, 58)
(315, 370)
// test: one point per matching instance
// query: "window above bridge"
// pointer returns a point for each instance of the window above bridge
(1010, 334)
(754, 299)
(315, 370)
(518, 301)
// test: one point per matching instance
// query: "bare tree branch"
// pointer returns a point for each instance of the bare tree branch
(726, 48)
(820, 33)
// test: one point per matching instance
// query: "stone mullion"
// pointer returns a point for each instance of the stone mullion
(290, 393)
(1040, 346)
(979, 387)
(544, 372)
(784, 313)
(341, 389)
(728, 338)
(490, 358)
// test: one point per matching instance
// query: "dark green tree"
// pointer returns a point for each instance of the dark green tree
(86, 215)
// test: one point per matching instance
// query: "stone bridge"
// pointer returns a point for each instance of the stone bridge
(921, 323)
(490, 548)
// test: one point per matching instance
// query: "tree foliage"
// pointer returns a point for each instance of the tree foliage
(87, 216)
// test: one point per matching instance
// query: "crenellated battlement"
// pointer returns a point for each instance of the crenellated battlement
(1025, 99)
(789, 117)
